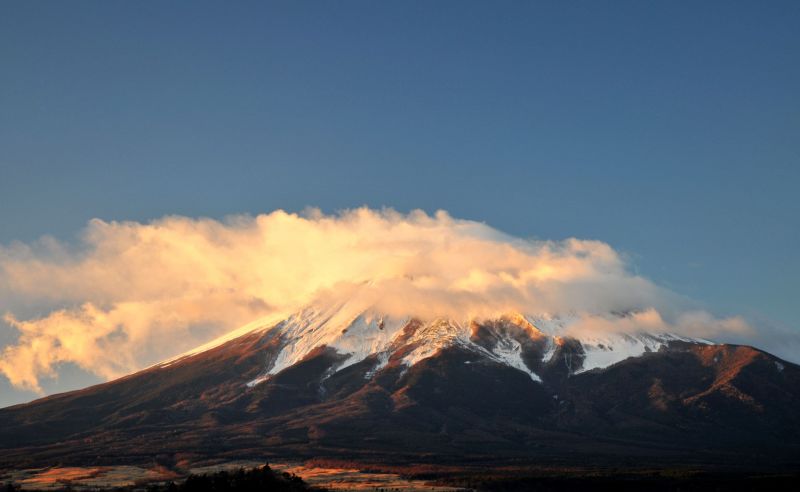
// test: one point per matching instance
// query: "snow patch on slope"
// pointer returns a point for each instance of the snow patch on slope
(605, 351)
(429, 339)
(383, 360)
(549, 351)
(509, 352)
(345, 328)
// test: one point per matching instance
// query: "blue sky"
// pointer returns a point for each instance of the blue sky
(670, 130)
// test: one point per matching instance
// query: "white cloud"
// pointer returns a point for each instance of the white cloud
(131, 294)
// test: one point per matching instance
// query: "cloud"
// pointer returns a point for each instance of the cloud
(131, 294)
(695, 323)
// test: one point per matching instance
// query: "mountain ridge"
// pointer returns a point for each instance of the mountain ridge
(437, 390)
(358, 333)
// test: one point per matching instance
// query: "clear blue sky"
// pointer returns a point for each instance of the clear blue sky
(670, 129)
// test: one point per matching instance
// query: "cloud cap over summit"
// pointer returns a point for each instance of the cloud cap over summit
(130, 294)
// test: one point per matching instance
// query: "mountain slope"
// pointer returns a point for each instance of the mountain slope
(343, 383)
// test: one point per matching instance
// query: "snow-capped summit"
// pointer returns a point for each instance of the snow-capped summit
(524, 342)
(344, 381)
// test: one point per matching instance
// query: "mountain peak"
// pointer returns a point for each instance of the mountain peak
(340, 381)
(525, 343)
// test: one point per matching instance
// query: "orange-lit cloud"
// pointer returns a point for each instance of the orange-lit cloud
(131, 294)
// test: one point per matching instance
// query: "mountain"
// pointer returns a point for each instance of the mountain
(342, 383)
